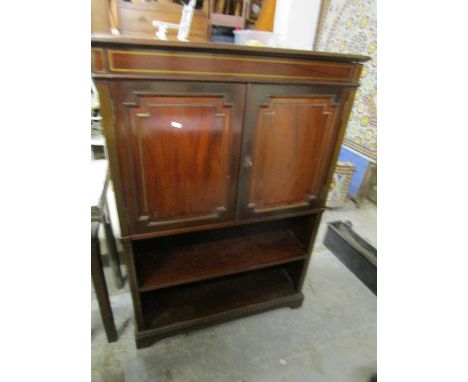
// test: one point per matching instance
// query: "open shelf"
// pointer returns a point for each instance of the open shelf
(209, 300)
(174, 260)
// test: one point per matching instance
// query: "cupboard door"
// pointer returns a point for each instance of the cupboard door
(288, 141)
(182, 141)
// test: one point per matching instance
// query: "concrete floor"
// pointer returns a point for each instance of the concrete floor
(332, 337)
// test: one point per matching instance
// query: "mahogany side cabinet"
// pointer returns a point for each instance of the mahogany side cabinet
(221, 157)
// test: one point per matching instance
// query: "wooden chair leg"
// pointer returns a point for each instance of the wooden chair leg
(102, 294)
(112, 249)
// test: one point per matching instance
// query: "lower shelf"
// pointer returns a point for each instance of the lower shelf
(221, 299)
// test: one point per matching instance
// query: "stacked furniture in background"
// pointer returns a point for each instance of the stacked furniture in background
(228, 13)
(135, 18)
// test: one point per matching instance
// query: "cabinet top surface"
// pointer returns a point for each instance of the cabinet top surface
(112, 41)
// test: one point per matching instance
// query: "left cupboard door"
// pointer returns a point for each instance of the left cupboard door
(178, 148)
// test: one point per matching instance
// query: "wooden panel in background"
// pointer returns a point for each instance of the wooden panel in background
(100, 22)
(266, 19)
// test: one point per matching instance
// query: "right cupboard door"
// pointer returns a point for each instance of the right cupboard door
(289, 138)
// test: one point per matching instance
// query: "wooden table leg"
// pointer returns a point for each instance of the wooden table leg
(112, 248)
(102, 294)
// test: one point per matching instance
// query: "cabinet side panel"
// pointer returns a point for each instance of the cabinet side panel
(312, 228)
(133, 282)
(109, 125)
(347, 95)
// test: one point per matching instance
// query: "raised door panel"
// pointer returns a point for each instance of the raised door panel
(182, 142)
(289, 139)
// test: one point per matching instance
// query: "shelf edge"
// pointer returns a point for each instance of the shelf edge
(221, 275)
